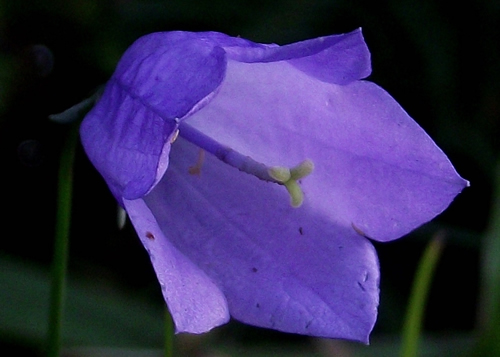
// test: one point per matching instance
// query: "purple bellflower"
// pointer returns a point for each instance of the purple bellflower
(254, 174)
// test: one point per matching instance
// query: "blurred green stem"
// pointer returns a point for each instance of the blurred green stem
(169, 334)
(61, 243)
(418, 297)
(488, 343)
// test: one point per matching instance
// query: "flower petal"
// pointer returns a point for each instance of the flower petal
(195, 302)
(279, 267)
(374, 166)
(170, 72)
(336, 59)
(344, 60)
(125, 141)
(162, 77)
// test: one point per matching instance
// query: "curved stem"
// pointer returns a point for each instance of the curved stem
(169, 334)
(61, 243)
(418, 296)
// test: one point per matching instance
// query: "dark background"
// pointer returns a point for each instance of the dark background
(440, 63)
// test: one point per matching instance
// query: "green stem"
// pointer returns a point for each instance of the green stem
(416, 306)
(169, 334)
(488, 339)
(61, 244)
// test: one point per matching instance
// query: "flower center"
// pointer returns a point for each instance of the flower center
(288, 177)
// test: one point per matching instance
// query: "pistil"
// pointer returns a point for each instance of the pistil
(287, 177)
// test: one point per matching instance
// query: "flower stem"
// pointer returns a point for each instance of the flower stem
(169, 334)
(416, 306)
(61, 243)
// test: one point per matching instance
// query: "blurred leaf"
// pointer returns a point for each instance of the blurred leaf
(95, 314)
(489, 308)
(430, 346)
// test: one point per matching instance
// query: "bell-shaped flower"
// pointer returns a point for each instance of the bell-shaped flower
(285, 163)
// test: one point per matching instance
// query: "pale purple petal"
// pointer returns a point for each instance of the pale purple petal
(279, 267)
(195, 302)
(344, 60)
(125, 141)
(226, 242)
(171, 72)
(374, 166)
(164, 77)
(336, 59)
(159, 79)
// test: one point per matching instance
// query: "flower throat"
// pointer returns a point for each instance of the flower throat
(288, 177)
